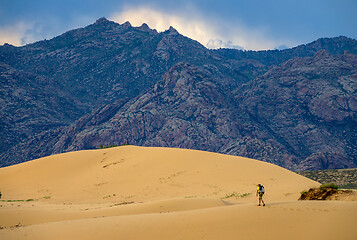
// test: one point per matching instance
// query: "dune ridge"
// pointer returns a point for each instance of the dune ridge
(134, 192)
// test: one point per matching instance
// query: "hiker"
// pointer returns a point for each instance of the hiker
(260, 192)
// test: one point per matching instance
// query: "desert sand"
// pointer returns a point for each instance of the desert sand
(134, 192)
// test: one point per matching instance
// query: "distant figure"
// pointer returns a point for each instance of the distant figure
(260, 192)
(0, 195)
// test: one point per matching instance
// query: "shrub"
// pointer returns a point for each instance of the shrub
(329, 185)
(236, 195)
(111, 146)
(303, 192)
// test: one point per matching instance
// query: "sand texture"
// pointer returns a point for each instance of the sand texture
(161, 193)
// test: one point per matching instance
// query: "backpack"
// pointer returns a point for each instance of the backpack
(261, 189)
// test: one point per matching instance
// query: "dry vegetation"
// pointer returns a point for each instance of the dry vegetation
(344, 178)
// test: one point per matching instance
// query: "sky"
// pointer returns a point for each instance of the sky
(241, 24)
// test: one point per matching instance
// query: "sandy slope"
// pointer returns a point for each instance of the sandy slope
(303, 220)
(159, 193)
(140, 174)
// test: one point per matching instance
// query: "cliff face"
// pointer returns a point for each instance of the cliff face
(310, 104)
(113, 84)
(53, 83)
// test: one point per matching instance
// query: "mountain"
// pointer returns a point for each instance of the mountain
(29, 104)
(187, 108)
(254, 63)
(55, 82)
(113, 84)
(309, 106)
(337, 45)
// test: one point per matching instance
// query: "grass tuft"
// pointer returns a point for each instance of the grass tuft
(329, 185)
(236, 195)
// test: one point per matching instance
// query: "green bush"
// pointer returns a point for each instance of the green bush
(111, 146)
(329, 185)
(303, 192)
(236, 195)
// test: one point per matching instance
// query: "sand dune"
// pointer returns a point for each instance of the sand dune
(140, 174)
(160, 193)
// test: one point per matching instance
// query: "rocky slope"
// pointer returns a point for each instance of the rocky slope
(187, 108)
(84, 69)
(295, 122)
(309, 105)
(343, 178)
(112, 84)
(28, 104)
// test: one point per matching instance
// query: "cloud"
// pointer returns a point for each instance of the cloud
(217, 43)
(186, 23)
(281, 47)
(14, 34)
(25, 32)
(22, 33)
(210, 32)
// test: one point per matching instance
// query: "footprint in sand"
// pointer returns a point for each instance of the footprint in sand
(114, 163)
(100, 184)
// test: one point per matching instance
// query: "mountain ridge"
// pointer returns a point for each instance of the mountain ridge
(101, 68)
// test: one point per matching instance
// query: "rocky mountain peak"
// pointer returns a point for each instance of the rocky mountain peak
(127, 24)
(102, 21)
(172, 31)
(8, 45)
(336, 45)
(144, 27)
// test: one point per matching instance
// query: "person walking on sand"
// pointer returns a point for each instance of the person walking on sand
(260, 192)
